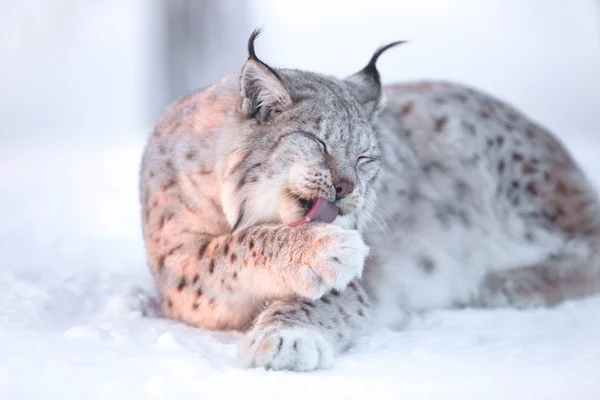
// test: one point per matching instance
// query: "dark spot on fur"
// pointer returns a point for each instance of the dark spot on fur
(234, 276)
(500, 140)
(550, 217)
(427, 265)
(485, 114)
(501, 166)
(335, 259)
(547, 176)
(174, 249)
(151, 174)
(515, 184)
(469, 127)
(361, 313)
(170, 303)
(198, 292)
(361, 299)
(318, 123)
(530, 132)
(309, 304)
(226, 248)
(241, 236)
(529, 237)
(561, 187)
(461, 188)
(195, 306)
(305, 310)
(325, 300)
(190, 154)
(162, 150)
(170, 183)
(529, 169)
(340, 336)
(432, 166)
(352, 285)
(211, 266)
(440, 123)
(202, 249)
(406, 109)
(517, 157)
(195, 280)
(490, 142)
(182, 284)
(161, 263)
(211, 302)
(334, 292)
(532, 188)
(232, 258)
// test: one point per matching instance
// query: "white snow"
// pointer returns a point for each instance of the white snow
(74, 278)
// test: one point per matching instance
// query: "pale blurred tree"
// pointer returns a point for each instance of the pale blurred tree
(205, 39)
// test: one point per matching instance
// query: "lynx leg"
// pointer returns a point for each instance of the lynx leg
(541, 285)
(304, 335)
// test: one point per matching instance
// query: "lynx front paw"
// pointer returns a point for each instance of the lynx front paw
(279, 348)
(337, 258)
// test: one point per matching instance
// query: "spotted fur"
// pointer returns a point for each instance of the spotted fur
(455, 199)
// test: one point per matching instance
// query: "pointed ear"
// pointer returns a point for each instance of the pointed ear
(262, 92)
(366, 84)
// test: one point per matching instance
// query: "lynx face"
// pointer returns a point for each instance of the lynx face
(305, 148)
(320, 146)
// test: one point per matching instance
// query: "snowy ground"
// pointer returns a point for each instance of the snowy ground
(72, 259)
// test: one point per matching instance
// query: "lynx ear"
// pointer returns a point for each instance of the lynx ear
(262, 92)
(366, 84)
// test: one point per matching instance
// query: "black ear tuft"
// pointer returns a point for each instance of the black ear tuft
(371, 68)
(262, 91)
(251, 53)
(366, 84)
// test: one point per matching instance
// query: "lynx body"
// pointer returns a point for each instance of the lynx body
(446, 197)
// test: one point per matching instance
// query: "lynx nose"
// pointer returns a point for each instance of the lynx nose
(342, 189)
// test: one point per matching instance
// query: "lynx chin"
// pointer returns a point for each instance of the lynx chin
(304, 209)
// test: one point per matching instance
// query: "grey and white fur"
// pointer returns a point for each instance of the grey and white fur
(449, 197)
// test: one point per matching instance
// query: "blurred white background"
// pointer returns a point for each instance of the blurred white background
(78, 68)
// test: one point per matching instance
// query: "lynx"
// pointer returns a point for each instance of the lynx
(304, 210)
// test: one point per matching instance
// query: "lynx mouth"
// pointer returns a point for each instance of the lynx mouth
(319, 210)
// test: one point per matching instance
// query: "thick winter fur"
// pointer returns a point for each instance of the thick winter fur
(456, 199)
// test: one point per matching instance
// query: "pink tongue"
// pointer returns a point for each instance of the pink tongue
(321, 211)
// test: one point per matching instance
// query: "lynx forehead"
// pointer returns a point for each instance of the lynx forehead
(304, 209)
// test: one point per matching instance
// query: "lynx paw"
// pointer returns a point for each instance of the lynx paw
(338, 258)
(279, 348)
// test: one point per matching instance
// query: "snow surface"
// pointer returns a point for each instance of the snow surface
(73, 269)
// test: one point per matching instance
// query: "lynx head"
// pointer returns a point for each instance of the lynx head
(305, 145)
